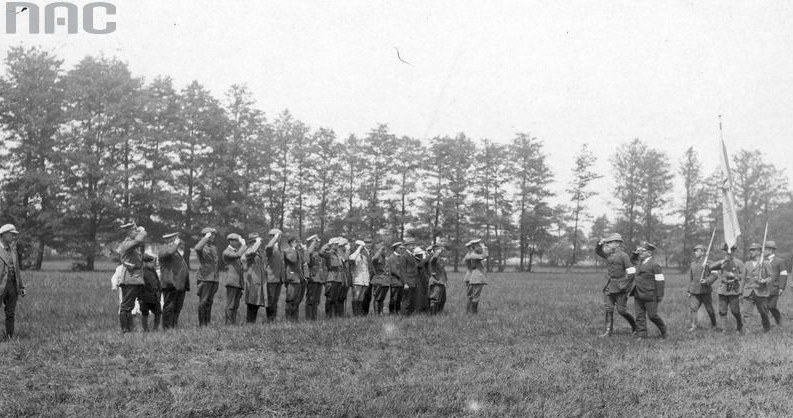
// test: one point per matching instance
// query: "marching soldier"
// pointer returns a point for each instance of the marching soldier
(175, 279)
(699, 287)
(619, 280)
(360, 276)
(475, 276)
(233, 275)
(410, 279)
(207, 276)
(150, 295)
(778, 274)
(316, 277)
(11, 287)
(731, 275)
(756, 287)
(437, 279)
(395, 271)
(255, 278)
(276, 274)
(381, 280)
(648, 290)
(131, 252)
(293, 262)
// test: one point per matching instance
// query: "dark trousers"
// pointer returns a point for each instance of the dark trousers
(367, 300)
(335, 294)
(731, 302)
(233, 295)
(294, 295)
(174, 300)
(148, 305)
(620, 300)
(695, 301)
(313, 295)
(10, 297)
(379, 293)
(358, 296)
(251, 313)
(395, 300)
(761, 302)
(129, 293)
(408, 301)
(473, 292)
(437, 298)
(273, 293)
(206, 295)
(772, 302)
(647, 309)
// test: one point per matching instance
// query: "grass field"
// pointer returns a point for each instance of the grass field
(532, 351)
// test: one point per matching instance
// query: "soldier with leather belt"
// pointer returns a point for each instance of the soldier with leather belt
(648, 290)
(699, 287)
(618, 282)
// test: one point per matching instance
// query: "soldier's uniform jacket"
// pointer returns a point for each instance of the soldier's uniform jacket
(436, 270)
(380, 275)
(9, 265)
(474, 261)
(256, 276)
(360, 268)
(333, 263)
(410, 270)
(756, 279)
(778, 273)
(396, 269)
(208, 259)
(234, 269)
(695, 274)
(649, 281)
(131, 251)
(276, 270)
(731, 276)
(317, 269)
(619, 271)
(293, 263)
(346, 269)
(173, 269)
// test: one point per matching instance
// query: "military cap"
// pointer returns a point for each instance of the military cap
(770, 244)
(209, 230)
(8, 228)
(700, 247)
(360, 243)
(274, 231)
(644, 245)
(419, 251)
(314, 237)
(613, 238)
(397, 244)
(342, 241)
(128, 225)
(253, 235)
(171, 235)
(473, 242)
(233, 236)
(725, 248)
(755, 246)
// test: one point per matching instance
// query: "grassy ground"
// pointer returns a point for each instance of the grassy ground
(532, 351)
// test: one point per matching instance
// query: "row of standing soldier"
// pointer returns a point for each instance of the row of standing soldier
(257, 270)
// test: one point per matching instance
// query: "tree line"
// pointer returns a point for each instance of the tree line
(87, 148)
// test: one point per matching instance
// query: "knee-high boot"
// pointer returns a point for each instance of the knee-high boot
(144, 323)
(609, 324)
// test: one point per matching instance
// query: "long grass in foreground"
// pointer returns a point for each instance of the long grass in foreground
(532, 351)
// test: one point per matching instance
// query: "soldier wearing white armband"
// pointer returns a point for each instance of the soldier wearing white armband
(619, 280)
(778, 273)
(648, 291)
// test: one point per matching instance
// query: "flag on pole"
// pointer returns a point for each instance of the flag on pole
(731, 228)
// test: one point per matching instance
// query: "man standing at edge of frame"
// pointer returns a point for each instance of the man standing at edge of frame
(778, 274)
(11, 287)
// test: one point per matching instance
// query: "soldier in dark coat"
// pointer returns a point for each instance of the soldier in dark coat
(317, 275)
(756, 288)
(233, 275)
(131, 252)
(699, 287)
(276, 272)
(175, 279)
(207, 276)
(150, 295)
(255, 277)
(731, 276)
(335, 284)
(619, 281)
(11, 287)
(778, 274)
(437, 279)
(648, 290)
(293, 262)
(423, 283)
(410, 280)
(395, 271)
(381, 280)
(475, 278)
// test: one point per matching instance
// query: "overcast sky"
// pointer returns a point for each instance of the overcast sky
(568, 72)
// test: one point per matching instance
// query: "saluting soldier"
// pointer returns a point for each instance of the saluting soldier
(475, 278)
(756, 287)
(207, 276)
(150, 295)
(293, 261)
(732, 273)
(619, 280)
(11, 287)
(131, 253)
(346, 269)
(359, 260)
(317, 275)
(255, 278)
(778, 274)
(381, 280)
(233, 275)
(175, 278)
(335, 279)
(437, 279)
(648, 290)
(410, 279)
(699, 287)
(276, 272)
(423, 282)
(395, 270)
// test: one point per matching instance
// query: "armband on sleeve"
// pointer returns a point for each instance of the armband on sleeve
(659, 277)
(630, 270)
